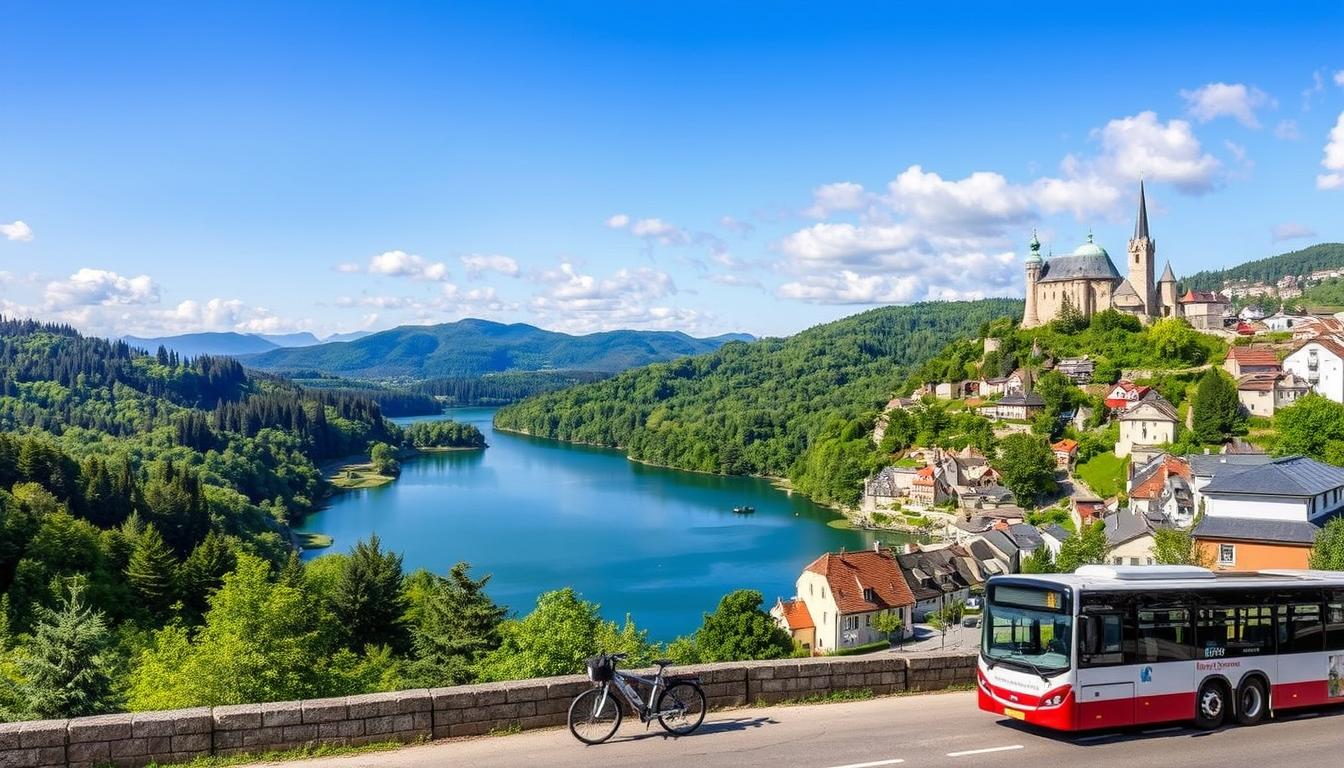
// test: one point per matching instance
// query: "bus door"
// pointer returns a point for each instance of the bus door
(1106, 685)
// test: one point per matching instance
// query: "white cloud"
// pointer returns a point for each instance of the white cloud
(1334, 158)
(661, 231)
(1291, 231)
(839, 196)
(1081, 192)
(18, 231)
(1236, 100)
(349, 267)
(100, 287)
(983, 201)
(733, 280)
(1143, 146)
(1287, 130)
(1316, 89)
(739, 226)
(628, 298)
(618, 221)
(225, 315)
(403, 264)
(834, 244)
(477, 263)
(1339, 78)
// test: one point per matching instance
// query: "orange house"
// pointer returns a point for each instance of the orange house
(1242, 544)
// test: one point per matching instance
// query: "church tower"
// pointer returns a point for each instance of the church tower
(1029, 317)
(1142, 255)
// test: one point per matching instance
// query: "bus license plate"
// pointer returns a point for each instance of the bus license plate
(1015, 714)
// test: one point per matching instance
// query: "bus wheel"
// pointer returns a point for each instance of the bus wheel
(1251, 702)
(1210, 705)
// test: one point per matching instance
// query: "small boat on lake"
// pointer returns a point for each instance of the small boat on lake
(743, 510)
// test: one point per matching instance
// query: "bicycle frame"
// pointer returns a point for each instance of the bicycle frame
(621, 682)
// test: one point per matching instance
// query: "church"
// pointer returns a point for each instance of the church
(1088, 280)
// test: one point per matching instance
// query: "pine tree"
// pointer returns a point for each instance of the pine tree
(1216, 408)
(458, 625)
(368, 602)
(67, 670)
(203, 572)
(150, 571)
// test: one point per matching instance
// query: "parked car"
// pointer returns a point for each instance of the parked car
(972, 620)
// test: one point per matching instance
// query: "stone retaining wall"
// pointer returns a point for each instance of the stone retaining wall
(136, 739)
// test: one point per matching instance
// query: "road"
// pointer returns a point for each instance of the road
(911, 731)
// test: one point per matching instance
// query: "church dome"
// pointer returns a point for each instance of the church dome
(1088, 261)
(1091, 249)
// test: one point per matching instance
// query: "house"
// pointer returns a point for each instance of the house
(1163, 487)
(1280, 321)
(1148, 423)
(887, 487)
(1251, 313)
(1078, 369)
(967, 467)
(928, 486)
(1023, 406)
(1025, 537)
(1013, 543)
(986, 497)
(947, 390)
(1318, 326)
(1066, 450)
(1053, 536)
(1321, 362)
(1262, 394)
(1204, 309)
(1253, 359)
(844, 591)
(1016, 382)
(994, 386)
(1205, 466)
(1129, 536)
(1267, 516)
(1124, 394)
(1086, 510)
(792, 616)
(939, 577)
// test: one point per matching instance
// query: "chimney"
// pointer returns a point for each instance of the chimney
(911, 547)
(877, 547)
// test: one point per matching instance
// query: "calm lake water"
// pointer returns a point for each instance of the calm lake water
(538, 515)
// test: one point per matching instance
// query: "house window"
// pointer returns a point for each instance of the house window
(1227, 554)
(867, 620)
(1133, 561)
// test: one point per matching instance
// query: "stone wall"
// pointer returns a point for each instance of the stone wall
(136, 739)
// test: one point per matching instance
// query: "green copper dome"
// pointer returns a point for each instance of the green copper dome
(1091, 249)
(1034, 257)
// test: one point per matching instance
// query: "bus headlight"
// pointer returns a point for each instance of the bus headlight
(1055, 698)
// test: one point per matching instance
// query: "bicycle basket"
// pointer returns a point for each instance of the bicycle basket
(601, 668)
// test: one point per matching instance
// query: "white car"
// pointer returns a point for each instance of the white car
(974, 603)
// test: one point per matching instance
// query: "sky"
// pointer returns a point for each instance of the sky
(704, 167)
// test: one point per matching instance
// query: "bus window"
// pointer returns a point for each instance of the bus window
(1228, 632)
(1164, 635)
(1334, 626)
(1108, 643)
(1302, 629)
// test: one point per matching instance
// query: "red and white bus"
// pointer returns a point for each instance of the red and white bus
(1114, 646)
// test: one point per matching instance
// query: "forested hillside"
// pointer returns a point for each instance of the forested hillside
(471, 347)
(1303, 262)
(799, 407)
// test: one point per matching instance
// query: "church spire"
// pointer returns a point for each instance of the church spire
(1141, 223)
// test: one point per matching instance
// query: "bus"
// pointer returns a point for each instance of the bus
(1116, 646)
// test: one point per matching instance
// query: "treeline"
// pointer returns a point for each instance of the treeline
(800, 407)
(443, 434)
(503, 388)
(1269, 270)
(394, 401)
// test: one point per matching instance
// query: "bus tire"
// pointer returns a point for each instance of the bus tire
(1252, 702)
(1211, 703)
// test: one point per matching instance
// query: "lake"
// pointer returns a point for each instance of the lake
(537, 515)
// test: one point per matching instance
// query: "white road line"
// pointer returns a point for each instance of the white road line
(873, 764)
(983, 751)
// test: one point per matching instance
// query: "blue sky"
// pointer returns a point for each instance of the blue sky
(706, 167)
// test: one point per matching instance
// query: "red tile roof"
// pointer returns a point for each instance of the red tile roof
(1257, 382)
(1253, 355)
(1202, 297)
(1066, 445)
(797, 615)
(1150, 487)
(851, 574)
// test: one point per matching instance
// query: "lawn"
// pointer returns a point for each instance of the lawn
(354, 476)
(1104, 474)
(312, 540)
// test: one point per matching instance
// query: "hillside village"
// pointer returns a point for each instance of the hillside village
(1111, 430)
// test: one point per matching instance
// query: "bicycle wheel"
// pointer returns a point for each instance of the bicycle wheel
(681, 708)
(594, 715)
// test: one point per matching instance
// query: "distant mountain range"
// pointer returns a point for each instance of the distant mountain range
(476, 347)
(234, 344)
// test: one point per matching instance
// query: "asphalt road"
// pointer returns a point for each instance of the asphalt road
(910, 731)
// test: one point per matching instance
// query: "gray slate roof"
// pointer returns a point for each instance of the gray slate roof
(1125, 526)
(1251, 529)
(982, 551)
(1060, 269)
(1025, 536)
(1056, 531)
(1026, 398)
(1000, 541)
(1156, 401)
(1288, 476)
(1213, 464)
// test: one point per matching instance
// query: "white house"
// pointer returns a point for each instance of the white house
(1145, 425)
(1321, 362)
(1279, 321)
(1262, 394)
(1292, 488)
(843, 592)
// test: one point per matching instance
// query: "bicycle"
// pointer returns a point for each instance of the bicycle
(677, 702)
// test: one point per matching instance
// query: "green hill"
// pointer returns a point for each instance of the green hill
(1303, 262)
(478, 347)
(799, 407)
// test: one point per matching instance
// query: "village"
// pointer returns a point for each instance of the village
(1067, 460)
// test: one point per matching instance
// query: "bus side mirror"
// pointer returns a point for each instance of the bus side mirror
(1091, 635)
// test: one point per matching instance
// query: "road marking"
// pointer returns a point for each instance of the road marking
(873, 764)
(984, 751)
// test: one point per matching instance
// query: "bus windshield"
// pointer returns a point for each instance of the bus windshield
(1029, 628)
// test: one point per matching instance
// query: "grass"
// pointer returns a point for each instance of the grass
(880, 645)
(298, 753)
(312, 540)
(1104, 474)
(354, 476)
